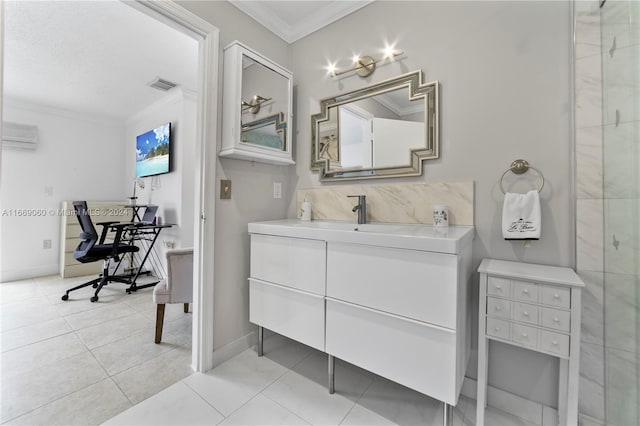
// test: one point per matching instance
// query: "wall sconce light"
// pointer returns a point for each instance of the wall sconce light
(254, 104)
(365, 65)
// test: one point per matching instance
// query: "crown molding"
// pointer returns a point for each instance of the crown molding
(333, 11)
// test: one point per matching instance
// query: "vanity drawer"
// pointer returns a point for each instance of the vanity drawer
(525, 291)
(415, 284)
(271, 261)
(556, 296)
(292, 313)
(499, 287)
(556, 319)
(499, 308)
(417, 355)
(554, 342)
(498, 328)
(525, 312)
(524, 335)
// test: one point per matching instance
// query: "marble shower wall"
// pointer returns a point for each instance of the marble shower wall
(607, 187)
(590, 207)
(400, 203)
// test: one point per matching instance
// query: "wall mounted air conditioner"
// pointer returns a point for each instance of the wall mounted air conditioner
(19, 136)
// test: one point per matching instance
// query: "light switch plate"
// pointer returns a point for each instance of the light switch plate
(277, 190)
(225, 189)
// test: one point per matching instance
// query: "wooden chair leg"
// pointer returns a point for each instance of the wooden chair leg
(186, 308)
(159, 322)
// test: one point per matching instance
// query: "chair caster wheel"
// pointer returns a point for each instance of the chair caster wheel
(95, 285)
(65, 297)
(94, 299)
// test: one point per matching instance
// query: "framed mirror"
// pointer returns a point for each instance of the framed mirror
(257, 107)
(383, 130)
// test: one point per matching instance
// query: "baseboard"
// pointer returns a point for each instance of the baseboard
(27, 273)
(513, 404)
(234, 348)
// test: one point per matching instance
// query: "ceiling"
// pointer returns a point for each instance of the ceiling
(97, 57)
(292, 20)
(58, 54)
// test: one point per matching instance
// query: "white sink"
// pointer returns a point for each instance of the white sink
(398, 235)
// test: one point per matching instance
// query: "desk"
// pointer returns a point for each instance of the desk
(143, 233)
(536, 307)
(135, 208)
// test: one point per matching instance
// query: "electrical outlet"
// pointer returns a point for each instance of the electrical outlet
(277, 190)
(225, 189)
(46, 244)
(168, 244)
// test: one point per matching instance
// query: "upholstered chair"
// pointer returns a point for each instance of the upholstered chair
(177, 288)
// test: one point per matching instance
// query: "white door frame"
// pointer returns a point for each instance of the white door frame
(207, 37)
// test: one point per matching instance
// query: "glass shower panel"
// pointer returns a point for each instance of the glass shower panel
(620, 32)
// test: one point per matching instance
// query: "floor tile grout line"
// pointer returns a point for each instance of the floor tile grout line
(36, 342)
(285, 407)
(373, 379)
(53, 400)
(202, 397)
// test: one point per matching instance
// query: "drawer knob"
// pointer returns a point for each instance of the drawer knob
(498, 308)
(556, 319)
(554, 343)
(556, 296)
(524, 335)
(498, 286)
(526, 291)
(497, 329)
(525, 313)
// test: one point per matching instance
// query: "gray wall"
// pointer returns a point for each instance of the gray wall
(252, 183)
(505, 72)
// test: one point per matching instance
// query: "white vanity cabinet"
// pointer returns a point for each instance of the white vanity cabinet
(391, 298)
(287, 287)
(402, 314)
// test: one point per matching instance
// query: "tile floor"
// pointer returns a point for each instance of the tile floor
(287, 386)
(83, 363)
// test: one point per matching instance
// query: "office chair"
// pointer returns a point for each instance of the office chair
(93, 249)
(177, 288)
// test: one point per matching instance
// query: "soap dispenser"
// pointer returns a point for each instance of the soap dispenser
(305, 210)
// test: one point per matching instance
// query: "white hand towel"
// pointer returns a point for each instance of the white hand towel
(521, 218)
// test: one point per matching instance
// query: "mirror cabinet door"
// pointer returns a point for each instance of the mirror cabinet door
(382, 130)
(257, 102)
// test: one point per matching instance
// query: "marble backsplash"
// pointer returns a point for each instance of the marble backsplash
(399, 203)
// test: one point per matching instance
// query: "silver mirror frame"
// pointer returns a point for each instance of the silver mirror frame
(417, 89)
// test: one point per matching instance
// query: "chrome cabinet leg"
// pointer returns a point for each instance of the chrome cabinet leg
(447, 417)
(331, 374)
(260, 340)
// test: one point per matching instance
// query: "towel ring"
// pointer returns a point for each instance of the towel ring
(519, 167)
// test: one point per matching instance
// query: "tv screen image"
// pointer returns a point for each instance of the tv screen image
(153, 151)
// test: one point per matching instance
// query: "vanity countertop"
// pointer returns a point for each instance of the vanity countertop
(397, 235)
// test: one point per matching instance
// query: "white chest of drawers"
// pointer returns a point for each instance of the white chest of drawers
(535, 307)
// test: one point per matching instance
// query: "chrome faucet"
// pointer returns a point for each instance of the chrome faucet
(361, 208)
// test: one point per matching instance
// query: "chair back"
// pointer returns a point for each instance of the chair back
(180, 271)
(88, 236)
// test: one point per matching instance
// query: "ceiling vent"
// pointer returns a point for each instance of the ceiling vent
(19, 136)
(162, 84)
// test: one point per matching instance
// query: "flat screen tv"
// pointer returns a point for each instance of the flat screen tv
(153, 151)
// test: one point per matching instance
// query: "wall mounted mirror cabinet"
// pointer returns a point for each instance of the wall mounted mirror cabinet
(256, 107)
(382, 130)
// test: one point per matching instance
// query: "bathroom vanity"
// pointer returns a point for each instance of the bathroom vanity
(391, 298)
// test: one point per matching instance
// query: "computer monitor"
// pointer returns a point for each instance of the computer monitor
(149, 214)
